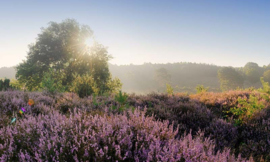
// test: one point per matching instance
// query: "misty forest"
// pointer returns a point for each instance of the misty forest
(66, 102)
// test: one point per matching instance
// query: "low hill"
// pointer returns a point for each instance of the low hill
(146, 78)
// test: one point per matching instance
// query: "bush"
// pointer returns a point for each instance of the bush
(169, 89)
(201, 89)
(5, 84)
(266, 87)
(84, 86)
(16, 85)
(245, 109)
(52, 82)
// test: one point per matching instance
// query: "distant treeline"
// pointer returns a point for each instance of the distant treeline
(186, 76)
(7, 72)
(183, 76)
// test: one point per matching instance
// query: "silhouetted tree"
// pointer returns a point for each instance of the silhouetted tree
(5, 84)
(61, 47)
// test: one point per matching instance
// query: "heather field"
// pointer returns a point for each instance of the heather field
(229, 126)
(135, 81)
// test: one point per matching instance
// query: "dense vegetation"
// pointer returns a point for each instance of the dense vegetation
(122, 127)
(183, 77)
(5, 84)
(69, 107)
(60, 61)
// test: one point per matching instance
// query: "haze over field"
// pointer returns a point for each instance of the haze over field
(135, 80)
(224, 33)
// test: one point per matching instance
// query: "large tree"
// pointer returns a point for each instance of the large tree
(253, 72)
(229, 79)
(61, 47)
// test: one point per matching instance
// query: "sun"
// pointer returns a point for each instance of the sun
(89, 42)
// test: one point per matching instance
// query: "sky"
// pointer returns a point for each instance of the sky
(220, 32)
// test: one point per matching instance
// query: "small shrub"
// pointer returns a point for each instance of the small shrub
(201, 89)
(84, 86)
(245, 109)
(121, 99)
(5, 84)
(266, 87)
(169, 89)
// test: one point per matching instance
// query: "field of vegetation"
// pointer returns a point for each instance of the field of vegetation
(229, 126)
(66, 105)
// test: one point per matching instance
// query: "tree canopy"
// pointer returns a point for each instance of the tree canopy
(253, 72)
(266, 76)
(61, 47)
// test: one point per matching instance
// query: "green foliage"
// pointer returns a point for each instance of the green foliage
(266, 67)
(84, 86)
(185, 75)
(229, 79)
(5, 84)
(121, 98)
(1, 84)
(266, 87)
(52, 82)
(266, 76)
(169, 89)
(15, 84)
(113, 86)
(251, 89)
(61, 47)
(245, 109)
(95, 100)
(201, 89)
(149, 104)
(57, 47)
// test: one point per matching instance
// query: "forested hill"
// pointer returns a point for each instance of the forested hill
(183, 77)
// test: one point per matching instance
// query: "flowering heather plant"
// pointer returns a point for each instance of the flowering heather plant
(81, 137)
(223, 133)
(253, 133)
(194, 112)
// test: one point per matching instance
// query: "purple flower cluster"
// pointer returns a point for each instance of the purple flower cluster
(65, 127)
(82, 137)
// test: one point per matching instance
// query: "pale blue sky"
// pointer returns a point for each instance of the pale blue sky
(221, 32)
